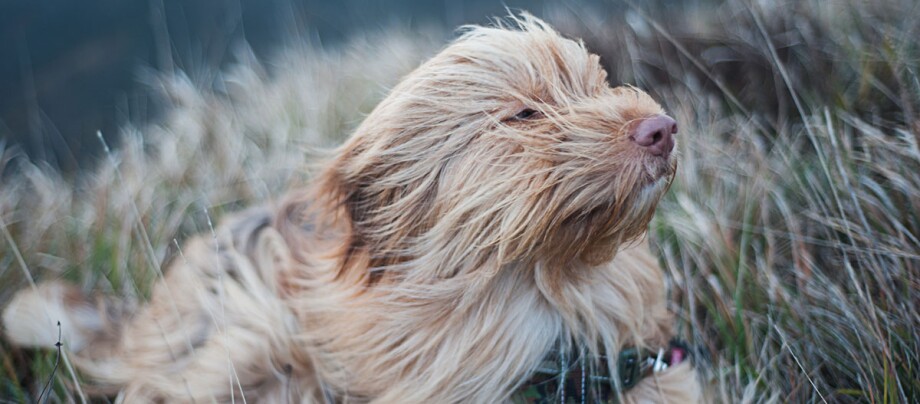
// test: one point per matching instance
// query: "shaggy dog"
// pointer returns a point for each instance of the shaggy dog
(484, 221)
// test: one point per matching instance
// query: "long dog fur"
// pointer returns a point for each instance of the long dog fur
(446, 249)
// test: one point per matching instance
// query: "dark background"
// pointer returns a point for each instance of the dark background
(69, 68)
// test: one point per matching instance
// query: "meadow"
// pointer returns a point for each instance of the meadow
(791, 235)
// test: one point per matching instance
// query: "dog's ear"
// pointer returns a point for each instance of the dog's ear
(378, 203)
(343, 188)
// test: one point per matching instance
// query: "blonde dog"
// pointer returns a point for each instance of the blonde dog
(478, 239)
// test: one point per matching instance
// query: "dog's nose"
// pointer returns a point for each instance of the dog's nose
(655, 134)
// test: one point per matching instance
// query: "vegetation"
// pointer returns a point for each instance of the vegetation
(791, 235)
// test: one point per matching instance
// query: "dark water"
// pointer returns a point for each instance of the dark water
(69, 68)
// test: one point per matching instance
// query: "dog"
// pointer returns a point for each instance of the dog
(479, 238)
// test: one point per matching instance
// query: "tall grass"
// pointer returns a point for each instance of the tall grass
(791, 232)
(796, 261)
(790, 235)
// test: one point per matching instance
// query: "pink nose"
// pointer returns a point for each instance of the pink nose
(655, 134)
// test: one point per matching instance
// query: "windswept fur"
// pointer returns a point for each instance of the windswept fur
(443, 252)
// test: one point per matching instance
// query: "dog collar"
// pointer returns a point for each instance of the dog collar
(560, 380)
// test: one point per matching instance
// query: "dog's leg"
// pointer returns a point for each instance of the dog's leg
(207, 333)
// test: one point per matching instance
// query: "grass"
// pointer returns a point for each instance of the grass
(790, 235)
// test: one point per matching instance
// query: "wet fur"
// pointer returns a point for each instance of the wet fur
(442, 252)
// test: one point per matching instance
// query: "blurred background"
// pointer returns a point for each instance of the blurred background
(70, 68)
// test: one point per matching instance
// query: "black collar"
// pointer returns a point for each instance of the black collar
(560, 378)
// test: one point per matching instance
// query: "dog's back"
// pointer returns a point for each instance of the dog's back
(214, 328)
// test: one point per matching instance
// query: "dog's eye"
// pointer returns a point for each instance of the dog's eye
(526, 113)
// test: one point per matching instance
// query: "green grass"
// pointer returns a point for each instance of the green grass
(790, 235)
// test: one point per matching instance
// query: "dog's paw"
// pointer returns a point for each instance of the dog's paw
(31, 318)
(677, 384)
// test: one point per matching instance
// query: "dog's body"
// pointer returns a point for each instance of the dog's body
(484, 216)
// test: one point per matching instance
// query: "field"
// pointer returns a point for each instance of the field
(791, 235)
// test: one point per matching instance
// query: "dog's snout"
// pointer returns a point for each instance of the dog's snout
(655, 134)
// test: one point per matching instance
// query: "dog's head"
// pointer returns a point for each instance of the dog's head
(507, 146)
